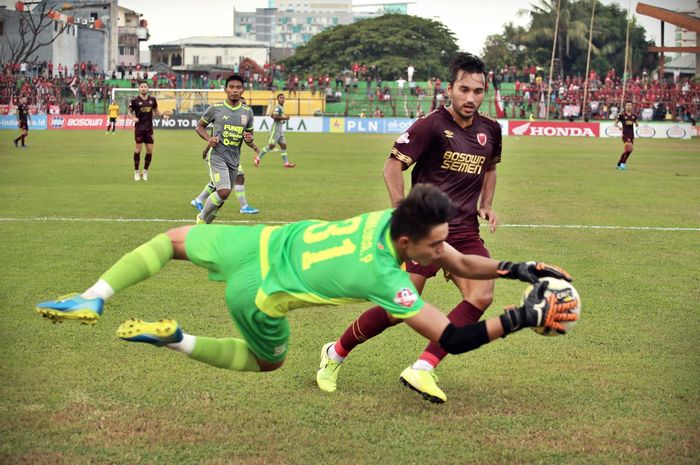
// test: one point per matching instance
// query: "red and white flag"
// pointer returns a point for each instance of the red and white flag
(500, 112)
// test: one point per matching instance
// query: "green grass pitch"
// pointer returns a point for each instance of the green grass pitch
(622, 388)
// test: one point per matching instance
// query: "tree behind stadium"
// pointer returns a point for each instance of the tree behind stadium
(533, 44)
(389, 43)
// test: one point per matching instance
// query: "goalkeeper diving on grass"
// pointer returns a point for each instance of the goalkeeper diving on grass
(271, 270)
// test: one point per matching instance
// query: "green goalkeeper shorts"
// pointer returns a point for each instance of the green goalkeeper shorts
(232, 254)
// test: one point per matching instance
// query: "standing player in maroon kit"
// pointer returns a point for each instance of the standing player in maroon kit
(629, 121)
(142, 108)
(455, 148)
(22, 121)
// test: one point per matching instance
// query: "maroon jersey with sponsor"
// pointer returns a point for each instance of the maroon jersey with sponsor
(453, 159)
(22, 114)
(143, 109)
(627, 125)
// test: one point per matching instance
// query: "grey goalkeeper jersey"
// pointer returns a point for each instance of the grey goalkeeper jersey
(228, 125)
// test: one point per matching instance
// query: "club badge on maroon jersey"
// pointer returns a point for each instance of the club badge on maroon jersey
(244, 119)
(481, 138)
(405, 297)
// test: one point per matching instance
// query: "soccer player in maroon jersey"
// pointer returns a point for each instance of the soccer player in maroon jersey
(629, 121)
(22, 121)
(142, 108)
(455, 148)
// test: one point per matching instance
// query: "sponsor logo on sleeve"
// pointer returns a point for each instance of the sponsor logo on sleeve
(405, 297)
(403, 139)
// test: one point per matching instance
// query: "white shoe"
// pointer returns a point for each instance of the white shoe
(144, 175)
(137, 176)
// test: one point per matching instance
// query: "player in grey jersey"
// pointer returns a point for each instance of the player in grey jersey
(232, 123)
(239, 184)
(277, 134)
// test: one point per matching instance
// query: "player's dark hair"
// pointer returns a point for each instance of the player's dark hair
(467, 63)
(234, 77)
(628, 101)
(278, 95)
(143, 81)
(424, 208)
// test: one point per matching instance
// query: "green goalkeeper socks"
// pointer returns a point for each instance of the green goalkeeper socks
(230, 354)
(140, 264)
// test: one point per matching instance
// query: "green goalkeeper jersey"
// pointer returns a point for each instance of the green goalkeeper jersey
(321, 263)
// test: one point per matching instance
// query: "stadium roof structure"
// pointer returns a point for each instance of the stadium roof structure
(212, 41)
(686, 20)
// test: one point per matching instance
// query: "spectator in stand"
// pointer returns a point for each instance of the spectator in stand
(400, 82)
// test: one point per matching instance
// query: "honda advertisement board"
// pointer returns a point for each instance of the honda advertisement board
(553, 129)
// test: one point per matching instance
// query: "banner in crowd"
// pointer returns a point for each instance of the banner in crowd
(553, 129)
(10, 122)
(651, 130)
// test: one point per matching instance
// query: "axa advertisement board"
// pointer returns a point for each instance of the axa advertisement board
(293, 124)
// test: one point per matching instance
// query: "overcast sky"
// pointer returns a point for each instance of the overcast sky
(470, 20)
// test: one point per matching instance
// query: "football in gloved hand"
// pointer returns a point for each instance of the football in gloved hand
(557, 292)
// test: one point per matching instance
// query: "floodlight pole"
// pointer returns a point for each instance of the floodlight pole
(624, 70)
(588, 63)
(551, 63)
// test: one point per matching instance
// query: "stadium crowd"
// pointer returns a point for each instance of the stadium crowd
(675, 99)
(83, 88)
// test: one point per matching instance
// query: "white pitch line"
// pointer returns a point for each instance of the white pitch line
(585, 226)
(189, 220)
(133, 220)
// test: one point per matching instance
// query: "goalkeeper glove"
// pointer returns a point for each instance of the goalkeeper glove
(538, 310)
(531, 271)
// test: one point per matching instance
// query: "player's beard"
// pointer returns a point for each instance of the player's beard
(461, 112)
